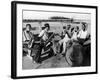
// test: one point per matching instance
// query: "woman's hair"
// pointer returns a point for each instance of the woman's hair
(47, 25)
(29, 25)
(72, 29)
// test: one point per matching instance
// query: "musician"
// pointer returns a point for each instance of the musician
(75, 33)
(65, 39)
(65, 29)
(82, 36)
(27, 36)
(44, 33)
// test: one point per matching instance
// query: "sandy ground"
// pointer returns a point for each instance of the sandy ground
(52, 62)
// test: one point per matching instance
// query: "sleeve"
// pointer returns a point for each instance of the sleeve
(79, 34)
(68, 34)
(87, 34)
(31, 34)
(41, 34)
(24, 38)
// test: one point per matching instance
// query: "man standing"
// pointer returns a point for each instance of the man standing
(27, 34)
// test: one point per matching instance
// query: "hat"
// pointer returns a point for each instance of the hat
(47, 25)
(42, 27)
(64, 27)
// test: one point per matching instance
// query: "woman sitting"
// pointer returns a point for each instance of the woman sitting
(65, 39)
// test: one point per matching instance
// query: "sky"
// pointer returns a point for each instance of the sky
(46, 15)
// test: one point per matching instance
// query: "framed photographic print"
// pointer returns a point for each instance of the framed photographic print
(53, 39)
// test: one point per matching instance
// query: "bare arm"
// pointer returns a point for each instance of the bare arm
(41, 34)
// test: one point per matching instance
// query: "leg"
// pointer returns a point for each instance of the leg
(64, 47)
(60, 46)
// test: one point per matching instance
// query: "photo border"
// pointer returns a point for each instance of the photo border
(14, 38)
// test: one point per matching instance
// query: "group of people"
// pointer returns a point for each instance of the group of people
(28, 35)
(69, 33)
(74, 34)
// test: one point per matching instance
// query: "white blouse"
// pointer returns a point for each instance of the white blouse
(44, 35)
(82, 34)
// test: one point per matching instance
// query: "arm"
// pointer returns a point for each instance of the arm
(68, 34)
(79, 34)
(88, 36)
(41, 34)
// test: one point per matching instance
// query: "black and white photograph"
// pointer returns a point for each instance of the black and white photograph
(54, 39)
